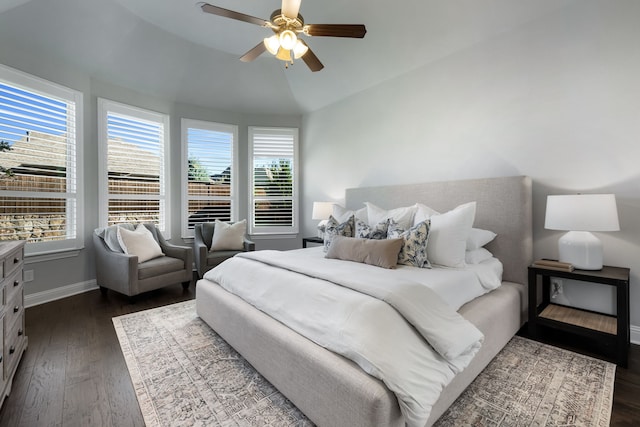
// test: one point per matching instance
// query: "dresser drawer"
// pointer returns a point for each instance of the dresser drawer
(12, 285)
(14, 341)
(13, 261)
(2, 374)
(13, 312)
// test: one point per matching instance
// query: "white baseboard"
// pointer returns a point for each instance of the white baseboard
(58, 293)
(635, 334)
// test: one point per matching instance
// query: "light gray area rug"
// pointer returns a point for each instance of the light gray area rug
(184, 374)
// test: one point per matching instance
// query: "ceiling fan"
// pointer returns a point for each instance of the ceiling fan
(287, 24)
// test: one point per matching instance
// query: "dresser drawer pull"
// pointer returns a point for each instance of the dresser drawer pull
(16, 260)
(12, 350)
(20, 332)
(16, 283)
(16, 309)
(0, 359)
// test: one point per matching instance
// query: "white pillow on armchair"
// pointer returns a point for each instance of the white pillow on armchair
(228, 237)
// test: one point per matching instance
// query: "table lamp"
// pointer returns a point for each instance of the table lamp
(579, 214)
(321, 211)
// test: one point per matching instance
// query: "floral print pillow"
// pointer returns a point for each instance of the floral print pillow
(414, 249)
(334, 228)
(365, 231)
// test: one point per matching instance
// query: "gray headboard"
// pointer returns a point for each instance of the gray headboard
(504, 206)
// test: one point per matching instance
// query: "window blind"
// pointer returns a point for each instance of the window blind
(135, 164)
(273, 180)
(210, 172)
(38, 169)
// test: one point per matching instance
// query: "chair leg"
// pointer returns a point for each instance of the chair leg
(103, 290)
(185, 285)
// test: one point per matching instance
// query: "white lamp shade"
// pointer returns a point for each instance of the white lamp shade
(579, 214)
(322, 210)
(582, 212)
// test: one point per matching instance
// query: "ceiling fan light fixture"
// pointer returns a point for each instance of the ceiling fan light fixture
(284, 54)
(300, 49)
(288, 39)
(272, 44)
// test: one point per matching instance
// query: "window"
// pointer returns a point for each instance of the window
(273, 200)
(209, 170)
(133, 165)
(40, 163)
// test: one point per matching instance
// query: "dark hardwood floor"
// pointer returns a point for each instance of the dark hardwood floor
(74, 374)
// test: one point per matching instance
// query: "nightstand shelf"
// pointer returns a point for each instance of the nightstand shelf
(307, 240)
(611, 333)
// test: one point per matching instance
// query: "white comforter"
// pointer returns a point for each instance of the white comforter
(397, 330)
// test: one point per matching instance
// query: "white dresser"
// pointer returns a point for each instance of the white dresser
(14, 340)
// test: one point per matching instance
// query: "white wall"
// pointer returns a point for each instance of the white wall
(557, 99)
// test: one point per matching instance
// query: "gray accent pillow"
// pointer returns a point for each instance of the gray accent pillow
(365, 231)
(334, 228)
(381, 253)
(414, 249)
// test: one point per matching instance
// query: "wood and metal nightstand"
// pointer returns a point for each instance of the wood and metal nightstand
(610, 332)
(307, 240)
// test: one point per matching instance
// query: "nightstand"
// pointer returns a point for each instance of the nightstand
(610, 332)
(306, 240)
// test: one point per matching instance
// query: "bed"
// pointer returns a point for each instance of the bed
(331, 389)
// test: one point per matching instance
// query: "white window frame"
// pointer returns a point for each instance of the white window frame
(106, 106)
(187, 124)
(75, 176)
(274, 230)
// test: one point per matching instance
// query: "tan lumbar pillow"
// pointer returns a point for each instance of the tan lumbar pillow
(228, 237)
(382, 253)
(139, 242)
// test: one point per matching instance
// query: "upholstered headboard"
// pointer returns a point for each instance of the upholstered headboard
(504, 206)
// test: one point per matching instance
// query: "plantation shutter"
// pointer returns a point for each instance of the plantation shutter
(274, 180)
(135, 165)
(210, 172)
(38, 169)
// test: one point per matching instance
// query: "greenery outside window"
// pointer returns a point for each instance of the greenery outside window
(273, 200)
(209, 173)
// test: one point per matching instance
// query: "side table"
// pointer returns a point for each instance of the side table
(612, 332)
(307, 240)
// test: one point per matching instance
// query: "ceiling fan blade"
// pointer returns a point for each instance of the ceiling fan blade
(208, 8)
(254, 53)
(312, 61)
(290, 8)
(335, 30)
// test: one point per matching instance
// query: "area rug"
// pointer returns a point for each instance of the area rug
(184, 374)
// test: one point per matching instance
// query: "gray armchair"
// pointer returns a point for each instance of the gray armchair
(205, 260)
(121, 272)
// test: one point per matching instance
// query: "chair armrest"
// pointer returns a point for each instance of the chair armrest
(249, 245)
(184, 253)
(114, 270)
(200, 252)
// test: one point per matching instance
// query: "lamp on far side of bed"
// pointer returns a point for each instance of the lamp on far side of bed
(579, 214)
(321, 211)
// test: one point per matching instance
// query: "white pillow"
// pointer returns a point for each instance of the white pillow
(423, 213)
(448, 236)
(476, 256)
(478, 238)
(139, 242)
(342, 214)
(228, 237)
(402, 216)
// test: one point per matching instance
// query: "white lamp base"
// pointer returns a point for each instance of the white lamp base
(582, 249)
(322, 225)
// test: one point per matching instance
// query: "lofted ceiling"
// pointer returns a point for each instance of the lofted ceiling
(171, 49)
